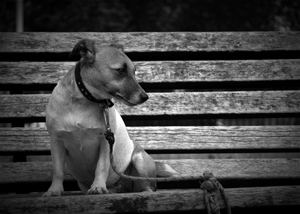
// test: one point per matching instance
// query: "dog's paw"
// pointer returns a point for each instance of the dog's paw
(52, 194)
(97, 190)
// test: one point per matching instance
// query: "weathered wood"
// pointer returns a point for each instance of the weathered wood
(237, 169)
(154, 42)
(171, 139)
(180, 103)
(217, 138)
(166, 139)
(33, 72)
(162, 71)
(167, 200)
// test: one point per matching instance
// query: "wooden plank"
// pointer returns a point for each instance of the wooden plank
(236, 169)
(33, 72)
(171, 139)
(162, 71)
(179, 103)
(167, 200)
(154, 42)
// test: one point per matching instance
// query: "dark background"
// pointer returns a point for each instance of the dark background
(152, 15)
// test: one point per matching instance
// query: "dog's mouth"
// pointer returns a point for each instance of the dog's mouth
(125, 101)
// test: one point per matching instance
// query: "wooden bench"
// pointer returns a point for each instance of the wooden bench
(196, 81)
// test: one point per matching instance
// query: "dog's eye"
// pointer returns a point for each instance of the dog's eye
(121, 70)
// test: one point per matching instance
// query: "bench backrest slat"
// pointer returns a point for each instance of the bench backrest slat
(26, 73)
(174, 139)
(237, 169)
(154, 42)
(170, 103)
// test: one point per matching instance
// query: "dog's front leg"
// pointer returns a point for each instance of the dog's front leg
(58, 154)
(101, 174)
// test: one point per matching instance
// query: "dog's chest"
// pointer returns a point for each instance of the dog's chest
(83, 129)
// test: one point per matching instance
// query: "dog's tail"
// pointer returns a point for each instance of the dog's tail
(164, 170)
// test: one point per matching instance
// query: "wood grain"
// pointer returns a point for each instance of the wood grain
(166, 200)
(236, 169)
(179, 103)
(162, 71)
(168, 139)
(153, 42)
(176, 138)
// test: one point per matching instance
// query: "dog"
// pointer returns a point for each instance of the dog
(76, 125)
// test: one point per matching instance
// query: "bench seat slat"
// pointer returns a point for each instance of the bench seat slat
(238, 169)
(153, 42)
(166, 200)
(162, 71)
(179, 103)
(187, 138)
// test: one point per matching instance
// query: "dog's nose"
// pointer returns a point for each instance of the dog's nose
(144, 97)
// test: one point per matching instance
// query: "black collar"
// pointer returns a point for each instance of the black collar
(106, 103)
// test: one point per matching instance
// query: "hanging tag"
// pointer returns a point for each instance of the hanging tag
(109, 135)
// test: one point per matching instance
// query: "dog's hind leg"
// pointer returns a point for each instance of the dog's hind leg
(143, 166)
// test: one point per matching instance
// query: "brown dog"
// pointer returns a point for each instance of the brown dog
(76, 124)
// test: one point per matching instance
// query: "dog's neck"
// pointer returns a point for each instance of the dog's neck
(104, 103)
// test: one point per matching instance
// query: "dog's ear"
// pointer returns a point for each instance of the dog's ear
(86, 49)
(118, 46)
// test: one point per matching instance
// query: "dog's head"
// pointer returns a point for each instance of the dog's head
(109, 72)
